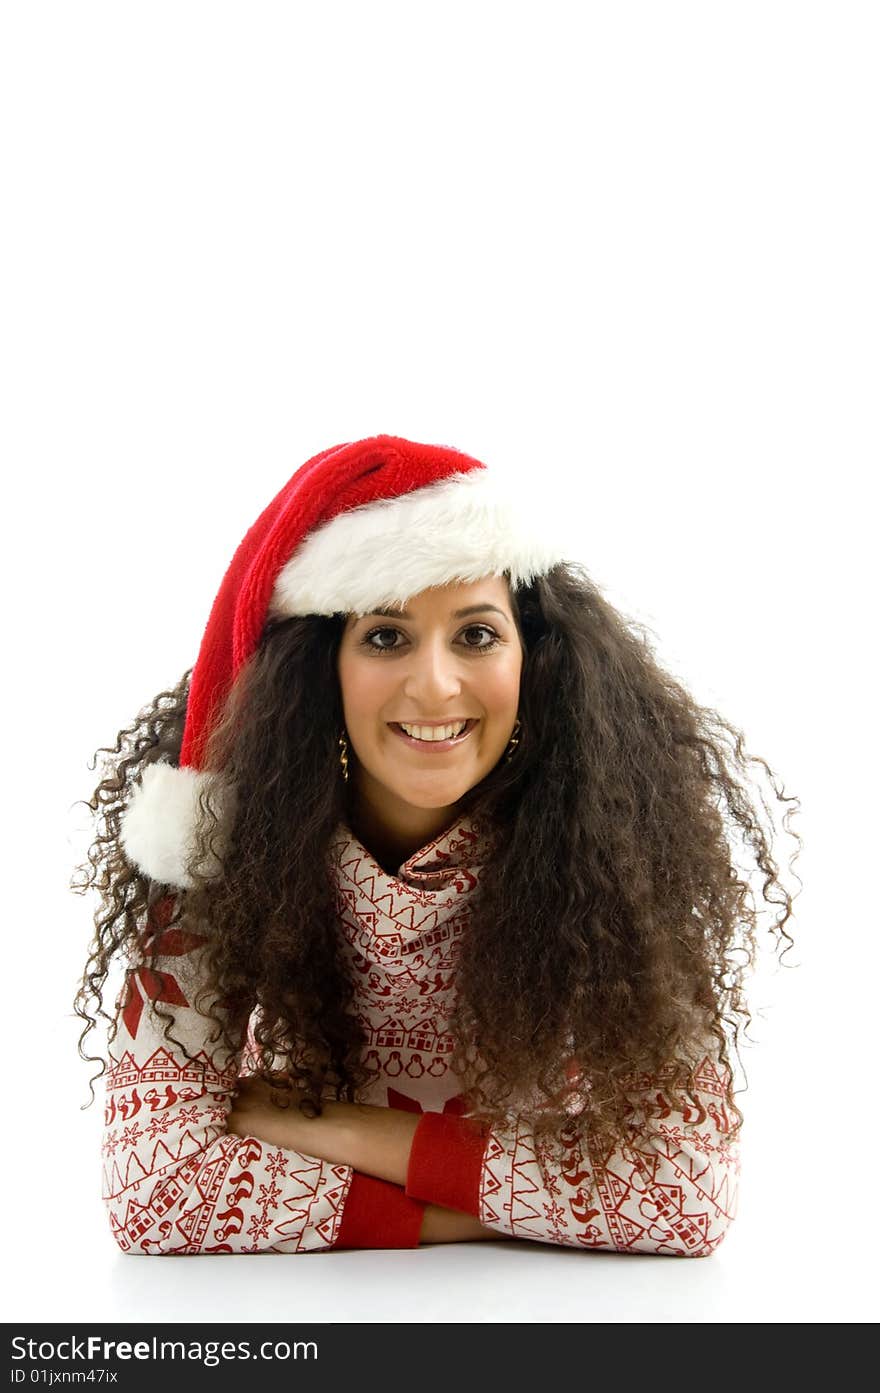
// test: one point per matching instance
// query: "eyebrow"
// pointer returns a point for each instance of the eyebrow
(457, 614)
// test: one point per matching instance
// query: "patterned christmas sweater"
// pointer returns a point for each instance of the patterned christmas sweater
(176, 1181)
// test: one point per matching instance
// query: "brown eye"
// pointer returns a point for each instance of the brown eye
(380, 647)
(492, 637)
(482, 629)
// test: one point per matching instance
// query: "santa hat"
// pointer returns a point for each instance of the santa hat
(363, 525)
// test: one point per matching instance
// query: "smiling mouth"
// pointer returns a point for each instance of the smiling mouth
(432, 746)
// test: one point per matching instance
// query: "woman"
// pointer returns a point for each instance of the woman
(424, 895)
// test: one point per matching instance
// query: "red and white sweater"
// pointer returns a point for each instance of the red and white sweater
(176, 1181)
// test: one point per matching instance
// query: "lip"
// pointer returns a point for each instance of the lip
(430, 747)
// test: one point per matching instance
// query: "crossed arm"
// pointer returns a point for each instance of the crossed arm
(374, 1140)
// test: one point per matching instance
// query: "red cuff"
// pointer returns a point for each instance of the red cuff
(446, 1162)
(378, 1214)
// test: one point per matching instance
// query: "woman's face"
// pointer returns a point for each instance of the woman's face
(432, 665)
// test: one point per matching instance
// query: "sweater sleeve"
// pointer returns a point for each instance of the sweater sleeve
(175, 1180)
(672, 1189)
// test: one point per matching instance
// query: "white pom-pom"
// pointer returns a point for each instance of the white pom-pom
(158, 827)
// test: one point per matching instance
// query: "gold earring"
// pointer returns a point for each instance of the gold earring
(514, 740)
(343, 756)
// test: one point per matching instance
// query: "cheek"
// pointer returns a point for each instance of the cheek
(365, 691)
(500, 688)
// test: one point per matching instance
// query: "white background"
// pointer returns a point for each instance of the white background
(629, 252)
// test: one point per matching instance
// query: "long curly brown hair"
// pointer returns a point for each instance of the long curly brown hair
(604, 931)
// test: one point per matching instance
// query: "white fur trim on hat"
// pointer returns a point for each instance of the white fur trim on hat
(461, 528)
(158, 826)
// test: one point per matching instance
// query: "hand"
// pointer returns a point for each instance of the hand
(374, 1140)
(254, 1114)
(251, 1091)
(371, 1139)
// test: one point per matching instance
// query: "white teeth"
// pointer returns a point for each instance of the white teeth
(433, 732)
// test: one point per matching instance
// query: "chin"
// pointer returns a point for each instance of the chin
(425, 798)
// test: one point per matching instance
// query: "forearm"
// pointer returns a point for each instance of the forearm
(376, 1141)
(449, 1226)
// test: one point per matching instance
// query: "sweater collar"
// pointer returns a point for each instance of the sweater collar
(464, 846)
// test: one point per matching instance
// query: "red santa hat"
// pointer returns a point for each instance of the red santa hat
(360, 526)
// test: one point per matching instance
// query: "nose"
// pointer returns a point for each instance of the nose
(432, 678)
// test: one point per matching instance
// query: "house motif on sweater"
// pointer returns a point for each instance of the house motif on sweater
(175, 1181)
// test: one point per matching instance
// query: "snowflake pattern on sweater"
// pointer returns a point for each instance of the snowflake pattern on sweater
(175, 1181)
